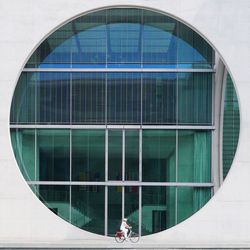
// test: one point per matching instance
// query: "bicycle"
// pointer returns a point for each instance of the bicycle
(133, 237)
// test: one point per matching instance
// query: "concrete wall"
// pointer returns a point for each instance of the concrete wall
(225, 220)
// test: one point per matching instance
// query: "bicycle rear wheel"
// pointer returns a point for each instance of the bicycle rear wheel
(119, 239)
(134, 237)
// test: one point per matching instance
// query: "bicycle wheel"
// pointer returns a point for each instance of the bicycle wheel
(134, 237)
(119, 239)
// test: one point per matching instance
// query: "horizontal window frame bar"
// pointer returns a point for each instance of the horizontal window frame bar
(103, 70)
(170, 127)
(123, 183)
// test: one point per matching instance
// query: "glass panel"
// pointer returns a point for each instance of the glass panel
(159, 39)
(23, 143)
(195, 98)
(158, 209)
(231, 125)
(53, 98)
(88, 98)
(190, 200)
(87, 210)
(124, 35)
(114, 154)
(193, 50)
(56, 198)
(131, 208)
(159, 98)
(114, 209)
(23, 102)
(53, 155)
(124, 98)
(194, 156)
(88, 155)
(132, 155)
(159, 155)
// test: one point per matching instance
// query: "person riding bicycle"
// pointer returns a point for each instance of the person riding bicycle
(125, 228)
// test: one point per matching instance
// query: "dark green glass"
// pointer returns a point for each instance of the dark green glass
(132, 155)
(56, 198)
(115, 155)
(87, 209)
(159, 155)
(158, 209)
(131, 208)
(88, 98)
(53, 155)
(231, 125)
(195, 98)
(23, 107)
(88, 155)
(114, 209)
(159, 98)
(194, 156)
(23, 143)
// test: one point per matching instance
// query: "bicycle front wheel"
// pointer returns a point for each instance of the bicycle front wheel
(134, 237)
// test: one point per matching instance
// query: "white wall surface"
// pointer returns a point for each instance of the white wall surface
(224, 221)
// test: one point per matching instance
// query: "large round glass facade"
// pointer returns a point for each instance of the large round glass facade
(113, 117)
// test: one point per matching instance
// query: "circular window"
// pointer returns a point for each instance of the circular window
(113, 117)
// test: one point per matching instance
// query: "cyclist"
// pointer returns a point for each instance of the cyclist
(125, 228)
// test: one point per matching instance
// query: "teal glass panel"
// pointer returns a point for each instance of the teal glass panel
(190, 200)
(114, 209)
(87, 209)
(195, 98)
(23, 143)
(114, 154)
(131, 208)
(124, 35)
(159, 155)
(23, 102)
(194, 156)
(158, 209)
(132, 155)
(88, 155)
(193, 50)
(231, 125)
(53, 155)
(88, 98)
(53, 98)
(124, 98)
(159, 98)
(56, 198)
(159, 39)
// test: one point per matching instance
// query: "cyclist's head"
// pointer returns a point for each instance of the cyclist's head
(125, 219)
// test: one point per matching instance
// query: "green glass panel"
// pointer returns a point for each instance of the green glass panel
(114, 154)
(159, 155)
(56, 198)
(190, 200)
(231, 125)
(159, 98)
(195, 98)
(158, 209)
(194, 156)
(53, 155)
(88, 98)
(131, 208)
(23, 143)
(87, 210)
(114, 209)
(132, 154)
(23, 102)
(88, 155)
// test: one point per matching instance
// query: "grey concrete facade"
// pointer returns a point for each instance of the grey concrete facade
(223, 222)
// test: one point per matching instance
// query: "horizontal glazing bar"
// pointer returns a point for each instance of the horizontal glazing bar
(184, 127)
(117, 70)
(122, 183)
